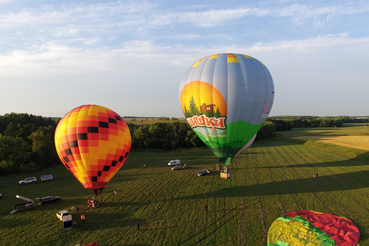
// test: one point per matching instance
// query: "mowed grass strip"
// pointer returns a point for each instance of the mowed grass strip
(270, 178)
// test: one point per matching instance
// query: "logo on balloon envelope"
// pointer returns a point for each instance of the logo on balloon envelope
(266, 112)
(206, 112)
(202, 120)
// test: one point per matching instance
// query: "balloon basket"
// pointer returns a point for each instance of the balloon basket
(225, 174)
(93, 203)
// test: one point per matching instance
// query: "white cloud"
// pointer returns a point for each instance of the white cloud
(67, 31)
(133, 16)
(143, 48)
(67, 14)
(207, 18)
(51, 55)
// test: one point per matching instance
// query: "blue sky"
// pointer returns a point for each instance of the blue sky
(130, 56)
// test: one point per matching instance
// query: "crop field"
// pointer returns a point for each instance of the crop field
(271, 178)
(352, 135)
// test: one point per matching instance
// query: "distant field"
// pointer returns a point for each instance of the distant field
(348, 129)
(148, 120)
(351, 135)
(271, 178)
(358, 142)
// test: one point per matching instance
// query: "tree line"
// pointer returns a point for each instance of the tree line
(177, 134)
(27, 141)
(284, 123)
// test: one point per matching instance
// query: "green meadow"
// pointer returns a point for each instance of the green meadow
(271, 178)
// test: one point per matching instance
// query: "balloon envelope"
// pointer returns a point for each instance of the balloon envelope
(306, 227)
(93, 142)
(247, 145)
(226, 98)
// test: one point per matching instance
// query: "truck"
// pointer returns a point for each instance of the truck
(65, 217)
(174, 162)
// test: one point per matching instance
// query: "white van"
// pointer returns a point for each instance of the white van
(174, 162)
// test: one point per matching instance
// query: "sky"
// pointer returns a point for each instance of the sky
(130, 56)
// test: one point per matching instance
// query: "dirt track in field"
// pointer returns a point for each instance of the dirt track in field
(356, 142)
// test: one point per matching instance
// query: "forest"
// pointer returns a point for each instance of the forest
(27, 141)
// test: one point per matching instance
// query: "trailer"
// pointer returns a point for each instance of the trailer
(23, 206)
(46, 177)
(67, 224)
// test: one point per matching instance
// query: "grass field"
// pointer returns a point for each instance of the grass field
(271, 178)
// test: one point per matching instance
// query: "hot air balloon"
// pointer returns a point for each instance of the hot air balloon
(93, 142)
(226, 98)
(306, 227)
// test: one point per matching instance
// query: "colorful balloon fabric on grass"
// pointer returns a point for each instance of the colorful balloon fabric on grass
(226, 98)
(93, 142)
(307, 227)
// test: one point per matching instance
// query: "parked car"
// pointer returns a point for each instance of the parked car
(46, 177)
(29, 180)
(176, 167)
(64, 215)
(48, 199)
(204, 172)
(174, 162)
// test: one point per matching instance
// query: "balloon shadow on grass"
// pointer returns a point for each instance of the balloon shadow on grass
(360, 160)
(314, 184)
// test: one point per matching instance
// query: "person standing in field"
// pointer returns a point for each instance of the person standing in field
(83, 218)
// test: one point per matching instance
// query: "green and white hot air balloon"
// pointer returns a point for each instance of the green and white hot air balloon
(226, 98)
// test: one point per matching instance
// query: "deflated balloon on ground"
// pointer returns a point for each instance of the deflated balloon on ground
(306, 227)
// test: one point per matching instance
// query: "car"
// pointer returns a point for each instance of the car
(29, 180)
(174, 162)
(176, 167)
(48, 199)
(204, 172)
(64, 215)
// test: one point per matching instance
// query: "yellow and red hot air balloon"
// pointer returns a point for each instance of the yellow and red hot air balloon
(93, 142)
